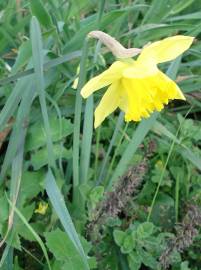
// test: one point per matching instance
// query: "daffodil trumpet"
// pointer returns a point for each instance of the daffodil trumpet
(137, 87)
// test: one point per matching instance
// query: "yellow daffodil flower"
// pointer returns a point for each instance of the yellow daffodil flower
(138, 87)
(42, 208)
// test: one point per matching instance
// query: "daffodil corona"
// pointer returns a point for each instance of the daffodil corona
(138, 87)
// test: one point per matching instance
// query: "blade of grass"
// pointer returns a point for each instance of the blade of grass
(37, 51)
(88, 115)
(61, 210)
(33, 232)
(89, 24)
(32, 256)
(77, 116)
(50, 64)
(86, 140)
(57, 109)
(18, 127)
(136, 140)
(158, 128)
(109, 171)
(188, 154)
(184, 151)
(112, 141)
(5, 257)
(8, 262)
(161, 178)
(100, 12)
(164, 168)
(16, 174)
(13, 101)
(9, 259)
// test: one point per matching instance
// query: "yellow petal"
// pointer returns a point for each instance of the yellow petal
(106, 78)
(145, 95)
(123, 102)
(161, 89)
(109, 102)
(179, 94)
(170, 86)
(42, 208)
(137, 99)
(166, 49)
(140, 70)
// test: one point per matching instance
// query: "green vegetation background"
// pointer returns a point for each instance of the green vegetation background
(123, 196)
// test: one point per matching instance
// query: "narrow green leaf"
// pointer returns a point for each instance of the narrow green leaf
(77, 117)
(15, 183)
(136, 140)
(86, 140)
(160, 129)
(38, 9)
(52, 63)
(33, 232)
(112, 141)
(24, 54)
(13, 100)
(37, 50)
(61, 210)
(19, 126)
(181, 5)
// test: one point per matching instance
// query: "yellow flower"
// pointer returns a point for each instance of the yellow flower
(42, 208)
(159, 164)
(138, 87)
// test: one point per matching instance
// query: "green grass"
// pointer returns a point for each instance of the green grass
(54, 155)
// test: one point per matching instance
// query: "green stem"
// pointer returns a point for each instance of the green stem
(177, 187)
(112, 141)
(165, 166)
(77, 118)
(100, 11)
(97, 151)
(115, 153)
